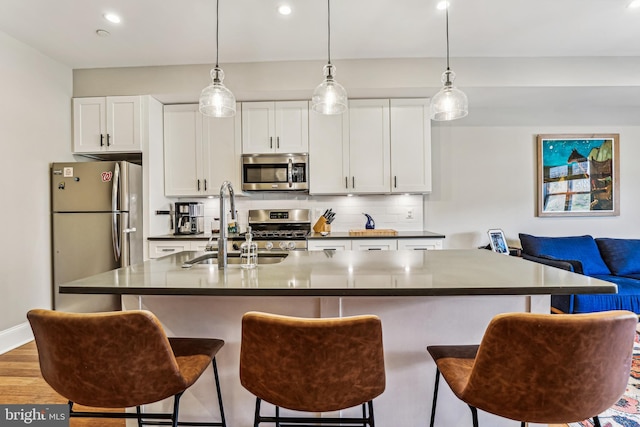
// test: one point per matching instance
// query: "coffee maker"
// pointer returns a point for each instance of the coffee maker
(189, 218)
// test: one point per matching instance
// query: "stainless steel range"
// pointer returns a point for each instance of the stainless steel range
(283, 229)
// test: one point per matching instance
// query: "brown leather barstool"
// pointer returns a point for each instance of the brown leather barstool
(312, 365)
(542, 368)
(120, 360)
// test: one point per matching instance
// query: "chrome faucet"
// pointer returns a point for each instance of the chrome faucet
(222, 238)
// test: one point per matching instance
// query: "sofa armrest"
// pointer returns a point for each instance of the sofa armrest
(565, 264)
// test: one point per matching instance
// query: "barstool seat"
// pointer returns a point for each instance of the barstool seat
(541, 368)
(120, 360)
(312, 365)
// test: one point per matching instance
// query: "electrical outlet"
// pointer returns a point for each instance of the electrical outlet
(410, 214)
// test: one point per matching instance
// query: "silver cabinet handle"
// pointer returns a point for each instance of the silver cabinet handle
(101, 140)
(353, 182)
(278, 142)
(346, 182)
(395, 181)
(205, 185)
(270, 142)
(108, 143)
(168, 250)
(198, 185)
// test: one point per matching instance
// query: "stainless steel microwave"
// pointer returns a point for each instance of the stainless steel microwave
(275, 172)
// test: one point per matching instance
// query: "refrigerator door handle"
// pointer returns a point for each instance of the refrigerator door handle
(115, 235)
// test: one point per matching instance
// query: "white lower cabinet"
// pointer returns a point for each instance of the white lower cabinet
(160, 248)
(374, 245)
(420, 244)
(329, 245)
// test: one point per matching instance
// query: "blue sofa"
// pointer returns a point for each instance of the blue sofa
(613, 260)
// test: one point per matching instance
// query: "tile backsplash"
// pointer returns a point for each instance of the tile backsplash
(400, 212)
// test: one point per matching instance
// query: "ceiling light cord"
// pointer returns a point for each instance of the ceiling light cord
(329, 30)
(447, 32)
(217, 29)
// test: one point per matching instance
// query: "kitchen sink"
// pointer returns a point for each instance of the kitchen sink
(234, 259)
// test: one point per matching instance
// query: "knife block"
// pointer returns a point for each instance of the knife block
(321, 226)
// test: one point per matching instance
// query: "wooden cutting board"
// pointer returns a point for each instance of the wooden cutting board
(375, 232)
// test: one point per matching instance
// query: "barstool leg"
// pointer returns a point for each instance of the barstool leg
(474, 415)
(596, 421)
(372, 420)
(256, 416)
(215, 375)
(176, 408)
(435, 398)
(139, 412)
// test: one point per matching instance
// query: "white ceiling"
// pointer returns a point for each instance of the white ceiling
(166, 32)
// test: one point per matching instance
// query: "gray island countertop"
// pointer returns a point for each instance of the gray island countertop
(348, 273)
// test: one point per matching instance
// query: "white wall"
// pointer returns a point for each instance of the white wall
(485, 177)
(35, 130)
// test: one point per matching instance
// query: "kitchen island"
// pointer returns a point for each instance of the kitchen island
(422, 297)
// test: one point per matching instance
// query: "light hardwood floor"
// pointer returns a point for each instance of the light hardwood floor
(22, 383)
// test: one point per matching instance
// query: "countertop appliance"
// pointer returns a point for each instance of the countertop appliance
(96, 225)
(189, 218)
(284, 229)
(275, 172)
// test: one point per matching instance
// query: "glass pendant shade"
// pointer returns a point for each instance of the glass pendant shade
(329, 97)
(450, 103)
(216, 100)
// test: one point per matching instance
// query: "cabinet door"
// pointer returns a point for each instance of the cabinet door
(182, 150)
(329, 245)
(258, 127)
(374, 245)
(329, 153)
(123, 124)
(221, 151)
(89, 125)
(369, 146)
(160, 248)
(292, 127)
(410, 146)
(419, 244)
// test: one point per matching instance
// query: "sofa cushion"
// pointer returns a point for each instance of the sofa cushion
(579, 248)
(622, 256)
(627, 298)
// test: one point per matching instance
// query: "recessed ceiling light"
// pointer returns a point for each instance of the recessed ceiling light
(284, 9)
(634, 4)
(103, 33)
(112, 17)
(442, 5)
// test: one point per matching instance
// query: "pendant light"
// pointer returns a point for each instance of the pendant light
(450, 103)
(329, 97)
(216, 100)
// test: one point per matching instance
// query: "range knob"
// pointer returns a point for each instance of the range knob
(292, 245)
(283, 245)
(268, 246)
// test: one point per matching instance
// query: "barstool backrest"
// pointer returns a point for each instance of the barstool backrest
(552, 368)
(108, 360)
(312, 365)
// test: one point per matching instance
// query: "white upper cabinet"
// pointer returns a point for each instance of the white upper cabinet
(369, 141)
(410, 146)
(329, 153)
(379, 146)
(199, 152)
(107, 124)
(275, 127)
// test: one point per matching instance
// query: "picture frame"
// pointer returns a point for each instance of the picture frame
(498, 242)
(578, 175)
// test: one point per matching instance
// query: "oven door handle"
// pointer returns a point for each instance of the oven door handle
(290, 172)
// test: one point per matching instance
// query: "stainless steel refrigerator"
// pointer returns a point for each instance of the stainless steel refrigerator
(96, 225)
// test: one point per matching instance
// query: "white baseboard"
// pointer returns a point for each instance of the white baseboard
(15, 337)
